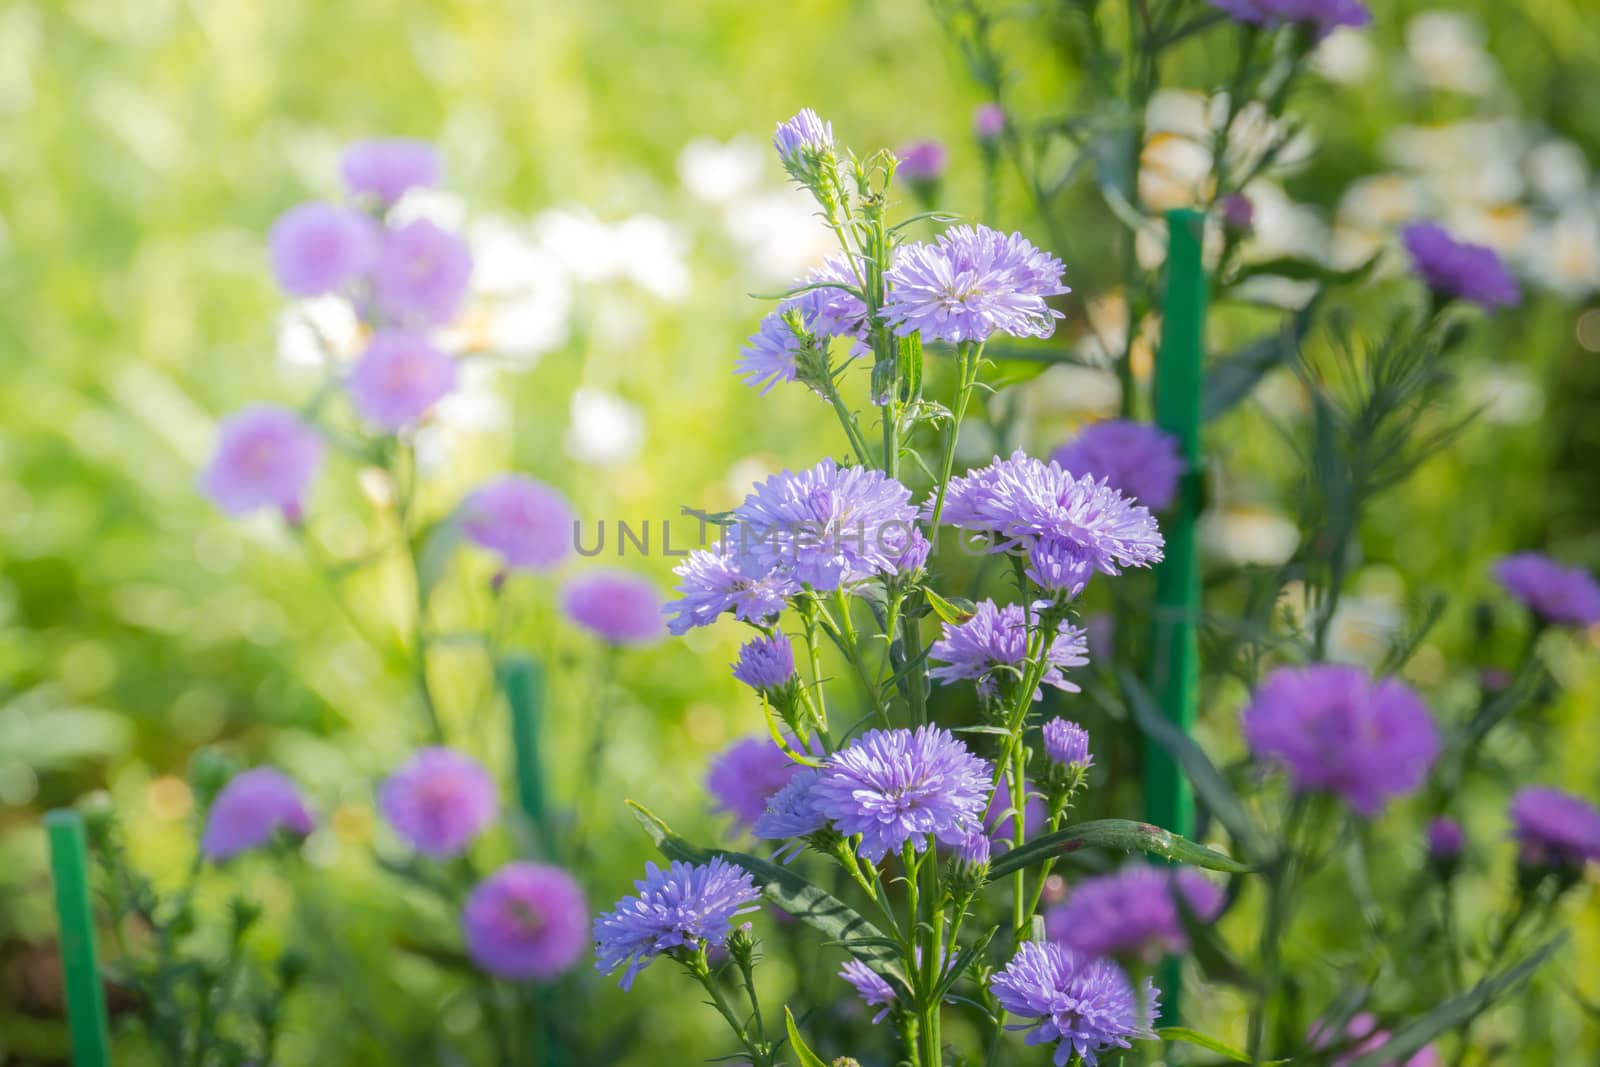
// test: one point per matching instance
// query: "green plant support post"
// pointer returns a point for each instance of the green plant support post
(1175, 654)
(523, 680)
(86, 1000)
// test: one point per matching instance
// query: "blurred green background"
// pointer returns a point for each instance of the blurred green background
(150, 145)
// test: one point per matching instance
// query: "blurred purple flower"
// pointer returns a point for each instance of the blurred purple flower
(438, 801)
(1086, 1004)
(718, 579)
(1134, 458)
(620, 607)
(898, 786)
(1362, 1029)
(1332, 728)
(1067, 743)
(992, 646)
(525, 922)
(265, 457)
(321, 248)
(1133, 911)
(746, 775)
(922, 162)
(422, 274)
(827, 526)
(791, 811)
(399, 378)
(988, 122)
(1555, 593)
(1555, 827)
(679, 907)
(1239, 213)
(1445, 838)
(250, 810)
(1324, 16)
(386, 168)
(765, 662)
(971, 283)
(1451, 268)
(522, 520)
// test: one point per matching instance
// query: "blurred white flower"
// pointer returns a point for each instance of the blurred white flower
(1248, 535)
(643, 249)
(444, 209)
(1557, 171)
(605, 430)
(1505, 393)
(476, 406)
(778, 234)
(1471, 160)
(1364, 627)
(1068, 389)
(1345, 56)
(313, 332)
(720, 173)
(521, 297)
(1176, 165)
(1563, 254)
(1445, 50)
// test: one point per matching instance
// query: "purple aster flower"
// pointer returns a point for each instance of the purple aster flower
(870, 986)
(1086, 1004)
(1070, 526)
(801, 139)
(992, 647)
(387, 168)
(831, 309)
(976, 848)
(622, 608)
(1554, 593)
(922, 162)
(1445, 839)
(988, 122)
(421, 277)
(1332, 728)
(1555, 827)
(438, 801)
(1457, 269)
(914, 556)
(265, 458)
(896, 786)
(1362, 1029)
(1133, 912)
(398, 378)
(1323, 16)
(525, 922)
(250, 810)
(765, 663)
(718, 579)
(1134, 458)
(522, 520)
(1067, 743)
(971, 283)
(746, 775)
(1239, 213)
(321, 248)
(791, 811)
(827, 526)
(1000, 818)
(769, 356)
(677, 908)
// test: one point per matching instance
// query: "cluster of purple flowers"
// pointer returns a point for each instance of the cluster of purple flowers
(684, 907)
(1133, 912)
(1085, 1004)
(746, 775)
(1556, 594)
(992, 646)
(1134, 458)
(1334, 729)
(827, 307)
(1459, 270)
(1071, 527)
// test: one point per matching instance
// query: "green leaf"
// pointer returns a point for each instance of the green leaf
(1411, 1038)
(1210, 1044)
(801, 1049)
(1212, 789)
(1303, 270)
(1124, 835)
(1230, 379)
(965, 960)
(816, 908)
(911, 368)
(954, 612)
(436, 545)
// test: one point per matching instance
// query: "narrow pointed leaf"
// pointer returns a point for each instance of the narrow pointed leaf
(1230, 379)
(1124, 835)
(1210, 1044)
(954, 611)
(801, 1049)
(965, 960)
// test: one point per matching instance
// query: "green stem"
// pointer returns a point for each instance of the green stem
(968, 356)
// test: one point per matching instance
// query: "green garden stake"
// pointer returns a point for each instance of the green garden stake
(523, 679)
(86, 1000)
(1175, 652)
